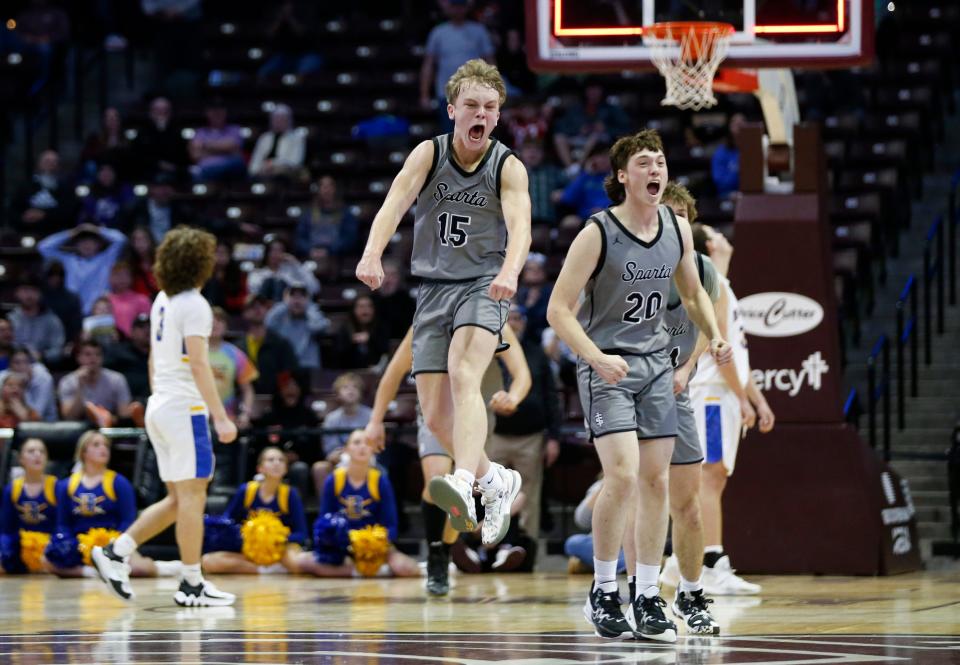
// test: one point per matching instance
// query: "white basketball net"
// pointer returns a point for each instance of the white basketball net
(688, 55)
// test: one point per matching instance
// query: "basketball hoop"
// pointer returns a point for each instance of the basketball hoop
(688, 53)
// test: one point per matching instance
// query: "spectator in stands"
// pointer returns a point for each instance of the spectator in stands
(327, 225)
(6, 342)
(288, 411)
(299, 320)
(585, 193)
(449, 45)
(109, 202)
(362, 340)
(515, 552)
(39, 392)
(269, 351)
(140, 256)
(351, 415)
(88, 268)
(34, 326)
(232, 370)
(46, 203)
(227, 287)
(279, 270)
(127, 304)
(216, 150)
(109, 145)
(528, 438)
(13, 407)
(292, 47)
(393, 302)
(158, 211)
(562, 358)
(533, 296)
(100, 325)
(62, 302)
(91, 388)
(725, 164)
(588, 123)
(527, 121)
(159, 147)
(130, 358)
(42, 31)
(547, 181)
(579, 546)
(280, 151)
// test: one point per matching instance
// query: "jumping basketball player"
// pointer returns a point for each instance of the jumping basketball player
(725, 400)
(184, 396)
(623, 261)
(466, 185)
(435, 461)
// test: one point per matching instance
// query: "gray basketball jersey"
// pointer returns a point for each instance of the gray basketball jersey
(683, 333)
(627, 294)
(459, 232)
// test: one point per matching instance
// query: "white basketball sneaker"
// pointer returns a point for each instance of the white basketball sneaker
(455, 496)
(497, 504)
(114, 570)
(721, 580)
(204, 594)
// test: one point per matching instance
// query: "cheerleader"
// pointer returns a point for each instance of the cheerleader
(94, 505)
(28, 512)
(358, 518)
(263, 528)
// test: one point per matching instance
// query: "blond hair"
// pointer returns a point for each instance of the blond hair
(347, 378)
(675, 194)
(479, 72)
(85, 441)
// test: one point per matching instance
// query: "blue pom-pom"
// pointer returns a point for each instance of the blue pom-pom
(221, 534)
(63, 551)
(10, 559)
(331, 538)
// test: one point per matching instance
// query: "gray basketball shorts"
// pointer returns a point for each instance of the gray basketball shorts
(643, 402)
(687, 448)
(442, 307)
(428, 444)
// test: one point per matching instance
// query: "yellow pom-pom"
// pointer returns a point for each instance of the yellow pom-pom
(369, 548)
(94, 538)
(264, 538)
(32, 545)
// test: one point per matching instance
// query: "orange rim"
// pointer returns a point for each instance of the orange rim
(676, 29)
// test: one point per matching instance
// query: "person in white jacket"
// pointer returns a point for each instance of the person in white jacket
(280, 151)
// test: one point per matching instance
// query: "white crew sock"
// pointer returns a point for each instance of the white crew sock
(491, 480)
(465, 476)
(124, 546)
(647, 580)
(605, 575)
(191, 574)
(686, 586)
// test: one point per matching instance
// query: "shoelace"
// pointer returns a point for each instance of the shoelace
(699, 601)
(653, 606)
(608, 604)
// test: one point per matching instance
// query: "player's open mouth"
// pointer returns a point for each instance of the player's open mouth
(476, 132)
(653, 187)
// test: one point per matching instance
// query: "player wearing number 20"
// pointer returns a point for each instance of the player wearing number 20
(623, 262)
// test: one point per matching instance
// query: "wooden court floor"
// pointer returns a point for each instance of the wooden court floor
(508, 619)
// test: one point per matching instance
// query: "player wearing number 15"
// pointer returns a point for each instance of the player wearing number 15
(623, 261)
(471, 238)
(183, 397)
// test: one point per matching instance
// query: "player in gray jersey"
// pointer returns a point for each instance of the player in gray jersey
(684, 569)
(623, 261)
(434, 459)
(471, 238)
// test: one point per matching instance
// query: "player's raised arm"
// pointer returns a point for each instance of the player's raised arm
(203, 376)
(515, 199)
(696, 300)
(579, 266)
(402, 194)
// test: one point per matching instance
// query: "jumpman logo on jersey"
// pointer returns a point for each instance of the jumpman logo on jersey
(31, 512)
(88, 505)
(355, 507)
(617, 241)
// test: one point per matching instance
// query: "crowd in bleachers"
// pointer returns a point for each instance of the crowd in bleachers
(278, 126)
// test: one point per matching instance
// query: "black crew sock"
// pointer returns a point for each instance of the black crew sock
(710, 558)
(434, 519)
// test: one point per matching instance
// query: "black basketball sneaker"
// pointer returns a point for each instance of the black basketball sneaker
(648, 620)
(438, 569)
(602, 610)
(693, 608)
(204, 594)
